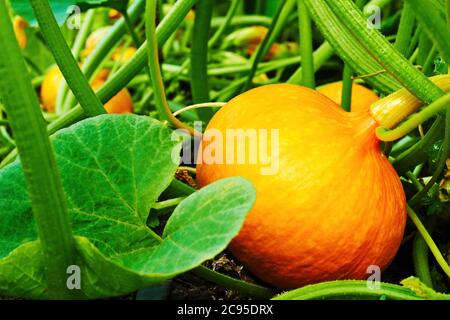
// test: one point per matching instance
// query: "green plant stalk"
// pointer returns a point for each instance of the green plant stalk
(348, 48)
(242, 287)
(33, 66)
(239, 68)
(414, 42)
(429, 241)
(306, 46)
(414, 121)
(103, 50)
(435, 27)
(377, 45)
(168, 203)
(242, 20)
(125, 74)
(428, 64)
(38, 161)
(116, 82)
(405, 29)
(424, 48)
(223, 27)
(76, 50)
(417, 154)
(445, 151)
(348, 289)
(199, 57)
(447, 7)
(232, 89)
(420, 260)
(155, 71)
(267, 42)
(65, 60)
(129, 23)
(419, 247)
(320, 56)
(347, 88)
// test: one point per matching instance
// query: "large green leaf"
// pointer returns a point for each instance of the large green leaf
(114, 167)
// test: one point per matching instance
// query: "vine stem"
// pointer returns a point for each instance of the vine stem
(414, 121)
(65, 60)
(38, 162)
(429, 241)
(200, 105)
(168, 203)
(223, 27)
(125, 74)
(405, 29)
(420, 260)
(76, 50)
(306, 45)
(445, 150)
(242, 287)
(264, 47)
(103, 50)
(348, 288)
(155, 71)
(321, 55)
(385, 53)
(348, 47)
(347, 88)
(199, 56)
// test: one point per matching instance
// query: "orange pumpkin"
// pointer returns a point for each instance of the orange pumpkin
(118, 54)
(362, 98)
(122, 102)
(333, 208)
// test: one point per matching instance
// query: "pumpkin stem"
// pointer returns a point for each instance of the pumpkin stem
(393, 109)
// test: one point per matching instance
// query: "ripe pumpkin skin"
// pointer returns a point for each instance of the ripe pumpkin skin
(122, 102)
(362, 98)
(49, 88)
(335, 207)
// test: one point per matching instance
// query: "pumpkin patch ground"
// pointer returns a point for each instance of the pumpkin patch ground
(225, 150)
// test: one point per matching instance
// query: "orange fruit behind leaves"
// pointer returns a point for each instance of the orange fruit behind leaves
(362, 98)
(334, 207)
(20, 24)
(119, 54)
(122, 102)
(49, 89)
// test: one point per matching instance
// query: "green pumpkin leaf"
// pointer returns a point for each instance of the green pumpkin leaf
(113, 168)
(200, 227)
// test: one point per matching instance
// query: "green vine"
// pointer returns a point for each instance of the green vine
(199, 57)
(37, 159)
(65, 60)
